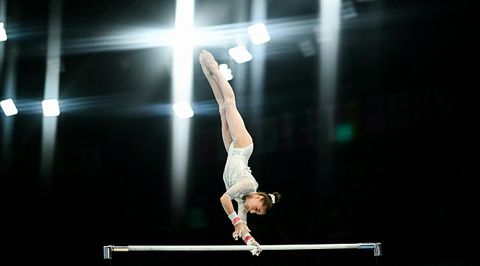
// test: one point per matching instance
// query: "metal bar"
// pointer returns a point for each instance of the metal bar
(108, 250)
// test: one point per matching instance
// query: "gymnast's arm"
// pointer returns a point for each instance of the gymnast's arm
(242, 212)
(239, 224)
(241, 229)
(227, 204)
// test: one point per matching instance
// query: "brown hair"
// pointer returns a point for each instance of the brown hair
(267, 199)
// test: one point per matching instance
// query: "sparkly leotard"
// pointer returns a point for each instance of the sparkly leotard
(238, 177)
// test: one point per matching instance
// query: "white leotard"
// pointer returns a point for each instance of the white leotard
(238, 177)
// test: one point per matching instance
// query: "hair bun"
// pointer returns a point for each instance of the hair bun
(275, 197)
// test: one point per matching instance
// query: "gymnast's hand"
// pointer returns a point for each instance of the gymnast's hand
(257, 250)
(240, 230)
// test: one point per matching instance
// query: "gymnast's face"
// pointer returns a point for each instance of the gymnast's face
(254, 204)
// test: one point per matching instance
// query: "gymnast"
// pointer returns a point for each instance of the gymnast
(240, 184)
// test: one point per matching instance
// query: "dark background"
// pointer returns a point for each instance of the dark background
(406, 178)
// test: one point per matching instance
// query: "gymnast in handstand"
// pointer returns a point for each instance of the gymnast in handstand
(240, 184)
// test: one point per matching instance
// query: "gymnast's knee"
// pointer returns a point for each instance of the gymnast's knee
(221, 110)
(229, 104)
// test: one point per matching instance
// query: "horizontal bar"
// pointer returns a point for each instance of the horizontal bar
(236, 247)
(107, 250)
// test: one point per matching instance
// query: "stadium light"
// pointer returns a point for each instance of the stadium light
(3, 33)
(8, 107)
(50, 107)
(258, 33)
(240, 54)
(183, 109)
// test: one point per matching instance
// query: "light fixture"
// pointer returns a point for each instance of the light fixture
(8, 107)
(240, 54)
(50, 107)
(258, 33)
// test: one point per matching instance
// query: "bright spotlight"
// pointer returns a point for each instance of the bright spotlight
(240, 54)
(258, 33)
(183, 109)
(8, 107)
(3, 33)
(50, 107)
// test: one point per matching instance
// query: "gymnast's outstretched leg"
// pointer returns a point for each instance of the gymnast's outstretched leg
(227, 138)
(226, 99)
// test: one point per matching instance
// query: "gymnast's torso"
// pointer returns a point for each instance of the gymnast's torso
(237, 175)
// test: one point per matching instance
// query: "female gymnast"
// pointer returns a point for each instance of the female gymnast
(240, 184)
